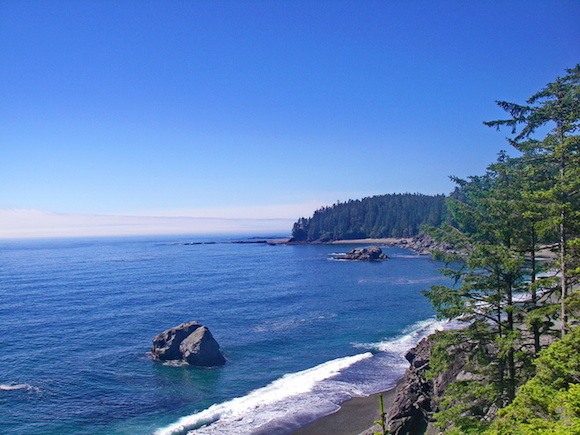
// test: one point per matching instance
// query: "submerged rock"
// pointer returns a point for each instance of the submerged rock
(190, 342)
(372, 253)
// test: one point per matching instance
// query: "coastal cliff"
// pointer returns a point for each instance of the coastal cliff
(418, 394)
(421, 244)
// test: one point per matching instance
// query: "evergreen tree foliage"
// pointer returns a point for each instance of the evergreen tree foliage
(497, 223)
(549, 403)
(394, 215)
(556, 155)
(488, 270)
(467, 402)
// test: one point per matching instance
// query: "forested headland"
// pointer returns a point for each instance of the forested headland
(381, 216)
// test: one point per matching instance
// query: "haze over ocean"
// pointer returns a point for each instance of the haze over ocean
(301, 333)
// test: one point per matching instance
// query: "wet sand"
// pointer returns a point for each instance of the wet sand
(354, 416)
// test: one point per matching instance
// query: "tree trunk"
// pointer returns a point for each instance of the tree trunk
(511, 367)
(535, 326)
(563, 271)
(563, 229)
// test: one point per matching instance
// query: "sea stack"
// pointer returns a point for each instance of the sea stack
(371, 253)
(190, 342)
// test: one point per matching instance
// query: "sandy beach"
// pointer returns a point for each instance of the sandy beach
(354, 416)
(383, 241)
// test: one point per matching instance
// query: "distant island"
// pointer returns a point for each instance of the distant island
(381, 216)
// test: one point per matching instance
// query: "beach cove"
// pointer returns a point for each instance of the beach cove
(303, 335)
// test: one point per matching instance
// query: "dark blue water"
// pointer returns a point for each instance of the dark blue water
(301, 333)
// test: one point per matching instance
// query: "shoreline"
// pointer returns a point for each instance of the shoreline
(355, 416)
(381, 241)
(421, 244)
(378, 241)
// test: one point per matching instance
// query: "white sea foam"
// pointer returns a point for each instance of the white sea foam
(175, 363)
(14, 387)
(286, 403)
(258, 408)
(519, 297)
(410, 336)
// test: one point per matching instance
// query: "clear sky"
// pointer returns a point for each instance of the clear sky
(258, 109)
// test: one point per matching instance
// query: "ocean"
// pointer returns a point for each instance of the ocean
(301, 333)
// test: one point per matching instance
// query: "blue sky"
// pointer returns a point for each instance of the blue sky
(259, 109)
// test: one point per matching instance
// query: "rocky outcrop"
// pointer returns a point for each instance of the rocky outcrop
(190, 342)
(372, 253)
(417, 397)
(422, 244)
(409, 413)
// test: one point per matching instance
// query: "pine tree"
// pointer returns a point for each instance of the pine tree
(486, 228)
(556, 154)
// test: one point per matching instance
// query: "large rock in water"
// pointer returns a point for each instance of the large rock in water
(190, 342)
(372, 253)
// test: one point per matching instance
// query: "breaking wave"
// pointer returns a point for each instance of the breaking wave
(411, 336)
(14, 387)
(261, 407)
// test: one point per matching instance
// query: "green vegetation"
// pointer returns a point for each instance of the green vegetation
(550, 401)
(551, 163)
(498, 222)
(382, 422)
(396, 215)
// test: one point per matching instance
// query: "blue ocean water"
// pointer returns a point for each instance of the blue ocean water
(301, 333)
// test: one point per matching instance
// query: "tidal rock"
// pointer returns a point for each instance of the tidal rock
(372, 253)
(190, 342)
(201, 349)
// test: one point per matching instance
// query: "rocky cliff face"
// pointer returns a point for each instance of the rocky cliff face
(409, 413)
(417, 397)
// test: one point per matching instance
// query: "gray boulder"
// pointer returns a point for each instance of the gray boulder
(372, 253)
(201, 349)
(190, 342)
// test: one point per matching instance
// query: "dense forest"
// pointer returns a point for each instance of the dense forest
(516, 303)
(395, 215)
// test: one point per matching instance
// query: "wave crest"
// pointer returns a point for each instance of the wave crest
(15, 387)
(410, 336)
(235, 410)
